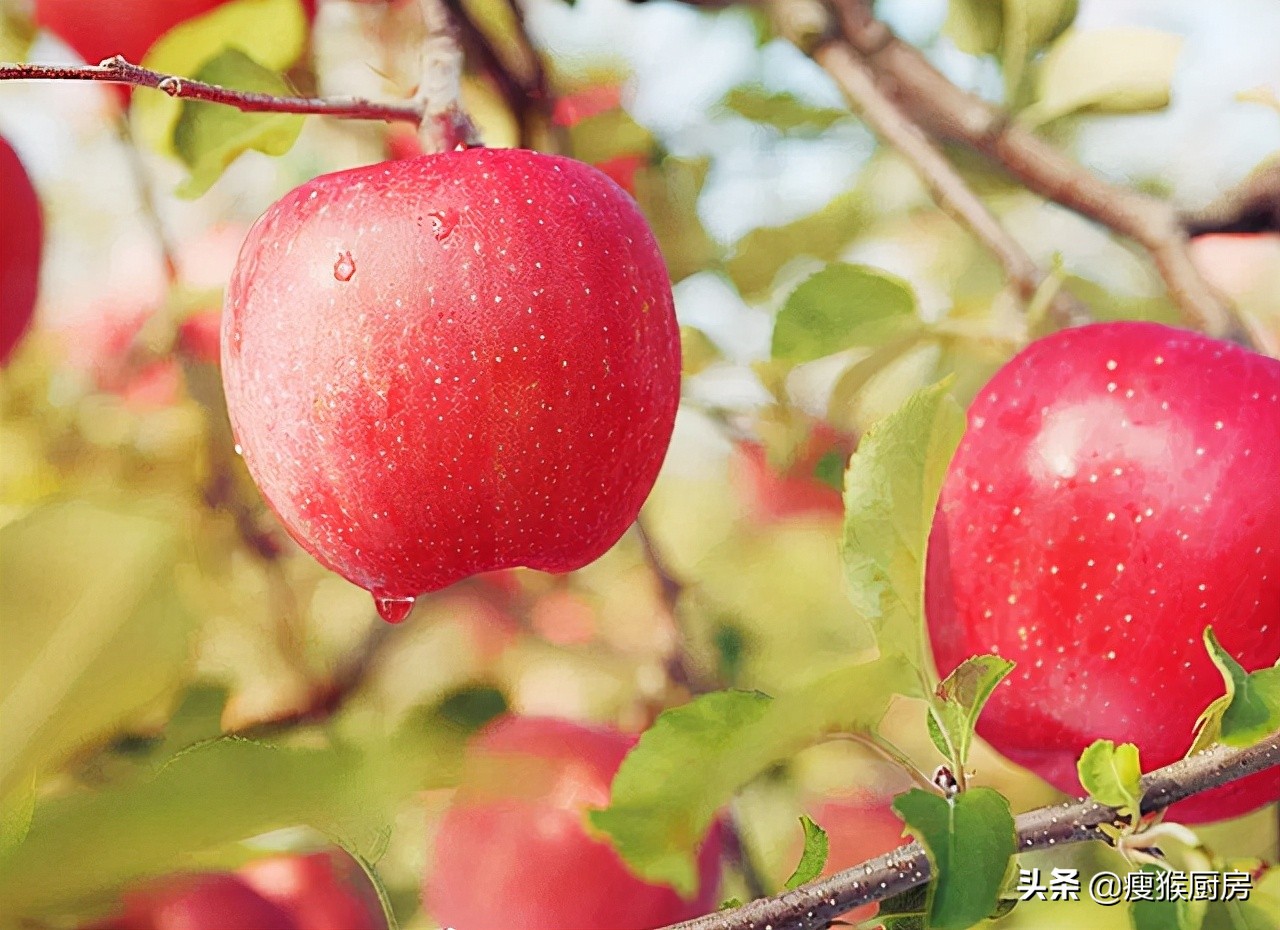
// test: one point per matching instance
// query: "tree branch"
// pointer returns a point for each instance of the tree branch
(944, 182)
(815, 905)
(118, 71)
(946, 110)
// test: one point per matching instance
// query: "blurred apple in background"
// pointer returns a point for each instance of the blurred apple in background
(859, 827)
(513, 850)
(320, 891)
(21, 238)
(808, 487)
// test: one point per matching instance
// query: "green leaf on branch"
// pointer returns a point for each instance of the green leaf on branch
(1249, 710)
(208, 136)
(970, 839)
(272, 33)
(668, 194)
(1260, 912)
(211, 795)
(1173, 914)
(696, 757)
(814, 858)
(1112, 775)
(93, 628)
(905, 911)
(959, 700)
(784, 111)
(1106, 71)
(1012, 28)
(891, 489)
(840, 307)
(760, 254)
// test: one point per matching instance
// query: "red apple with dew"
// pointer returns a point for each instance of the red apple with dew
(452, 364)
(1117, 491)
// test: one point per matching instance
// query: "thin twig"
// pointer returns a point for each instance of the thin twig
(951, 113)
(119, 71)
(945, 184)
(815, 905)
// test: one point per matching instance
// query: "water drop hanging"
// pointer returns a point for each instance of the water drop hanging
(393, 609)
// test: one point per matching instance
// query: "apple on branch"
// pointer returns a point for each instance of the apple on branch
(452, 364)
(1117, 491)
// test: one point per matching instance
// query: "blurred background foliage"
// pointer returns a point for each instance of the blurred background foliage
(152, 605)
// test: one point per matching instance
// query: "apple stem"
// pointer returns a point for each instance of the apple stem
(817, 904)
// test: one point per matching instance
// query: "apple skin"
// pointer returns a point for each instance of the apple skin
(96, 30)
(452, 364)
(513, 850)
(21, 242)
(1115, 493)
(322, 891)
(199, 901)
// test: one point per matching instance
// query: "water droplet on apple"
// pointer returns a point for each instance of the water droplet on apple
(344, 267)
(443, 222)
(392, 609)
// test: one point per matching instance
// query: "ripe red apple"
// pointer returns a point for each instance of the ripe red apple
(200, 901)
(21, 238)
(1117, 491)
(514, 852)
(452, 364)
(322, 891)
(771, 496)
(859, 827)
(96, 30)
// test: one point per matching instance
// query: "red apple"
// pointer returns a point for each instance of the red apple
(514, 852)
(771, 496)
(1117, 491)
(201, 901)
(199, 336)
(859, 827)
(96, 30)
(322, 891)
(21, 237)
(452, 364)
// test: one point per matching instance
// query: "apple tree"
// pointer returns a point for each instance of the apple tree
(610, 466)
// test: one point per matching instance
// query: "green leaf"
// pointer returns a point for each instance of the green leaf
(197, 719)
(668, 194)
(1252, 706)
(208, 136)
(1112, 775)
(697, 351)
(840, 307)
(1105, 70)
(1260, 912)
(975, 26)
(92, 626)
(959, 700)
(1028, 26)
(696, 757)
(891, 489)
(1165, 915)
(970, 838)
(782, 110)
(213, 794)
(609, 135)
(905, 911)
(19, 806)
(814, 858)
(271, 32)
(760, 254)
